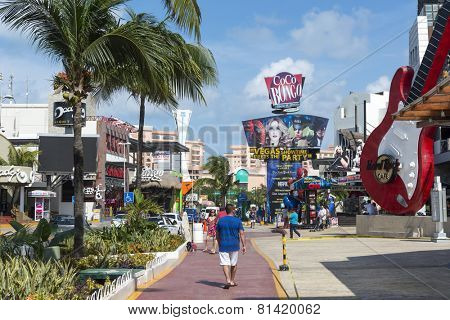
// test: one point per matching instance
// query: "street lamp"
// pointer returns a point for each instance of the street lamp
(124, 168)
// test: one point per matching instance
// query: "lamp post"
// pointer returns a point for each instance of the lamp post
(125, 189)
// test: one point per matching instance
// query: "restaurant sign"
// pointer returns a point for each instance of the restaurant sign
(16, 175)
(149, 174)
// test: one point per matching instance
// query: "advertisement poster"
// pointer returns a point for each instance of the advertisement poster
(278, 174)
(285, 90)
(290, 131)
(287, 155)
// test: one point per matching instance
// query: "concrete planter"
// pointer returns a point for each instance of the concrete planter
(138, 277)
(396, 226)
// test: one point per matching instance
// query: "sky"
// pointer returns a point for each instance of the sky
(249, 40)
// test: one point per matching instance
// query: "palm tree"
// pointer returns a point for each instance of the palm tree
(89, 39)
(21, 157)
(223, 179)
(194, 67)
(141, 207)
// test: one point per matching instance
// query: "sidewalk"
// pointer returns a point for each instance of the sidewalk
(342, 266)
(200, 277)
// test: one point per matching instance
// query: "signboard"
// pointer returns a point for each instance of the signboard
(63, 114)
(278, 174)
(16, 175)
(285, 90)
(291, 131)
(148, 174)
(192, 197)
(186, 187)
(288, 155)
(56, 156)
(312, 183)
(128, 197)
(38, 209)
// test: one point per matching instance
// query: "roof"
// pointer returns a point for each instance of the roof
(433, 108)
(171, 146)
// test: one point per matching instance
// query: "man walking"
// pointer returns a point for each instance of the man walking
(230, 232)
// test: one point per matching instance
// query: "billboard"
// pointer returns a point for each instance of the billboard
(290, 131)
(285, 90)
(63, 114)
(56, 154)
(278, 174)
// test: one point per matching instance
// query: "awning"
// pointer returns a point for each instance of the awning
(172, 146)
(432, 109)
(41, 194)
(128, 165)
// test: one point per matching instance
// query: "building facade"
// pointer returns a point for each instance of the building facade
(195, 158)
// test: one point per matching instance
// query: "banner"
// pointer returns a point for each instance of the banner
(182, 118)
(278, 174)
(285, 90)
(291, 131)
(287, 155)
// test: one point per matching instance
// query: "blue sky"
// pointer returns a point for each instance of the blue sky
(250, 39)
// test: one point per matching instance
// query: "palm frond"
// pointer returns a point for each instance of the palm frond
(186, 14)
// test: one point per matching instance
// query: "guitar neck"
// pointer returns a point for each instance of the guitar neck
(437, 49)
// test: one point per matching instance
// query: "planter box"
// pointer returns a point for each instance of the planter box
(127, 284)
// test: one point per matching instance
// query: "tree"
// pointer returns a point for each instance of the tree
(141, 207)
(90, 41)
(193, 67)
(258, 195)
(223, 179)
(21, 157)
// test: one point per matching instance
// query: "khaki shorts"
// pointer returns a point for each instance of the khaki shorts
(228, 258)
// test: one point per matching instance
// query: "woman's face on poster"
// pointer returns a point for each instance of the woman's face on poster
(274, 132)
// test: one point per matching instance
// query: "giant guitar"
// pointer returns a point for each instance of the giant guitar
(397, 162)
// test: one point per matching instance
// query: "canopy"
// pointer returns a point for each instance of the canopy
(41, 194)
(433, 108)
(312, 183)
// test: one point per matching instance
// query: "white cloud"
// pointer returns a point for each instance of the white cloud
(257, 88)
(381, 84)
(332, 34)
(268, 20)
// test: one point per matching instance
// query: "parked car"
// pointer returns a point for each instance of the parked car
(64, 222)
(164, 223)
(175, 219)
(119, 219)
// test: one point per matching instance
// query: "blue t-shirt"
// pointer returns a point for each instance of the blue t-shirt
(228, 229)
(293, 218)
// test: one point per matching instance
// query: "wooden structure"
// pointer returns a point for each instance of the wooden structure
(432, 109)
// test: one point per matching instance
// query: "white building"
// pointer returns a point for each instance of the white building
(351, 113)
(418, 41)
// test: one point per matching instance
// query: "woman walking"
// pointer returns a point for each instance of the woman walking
(211, 233)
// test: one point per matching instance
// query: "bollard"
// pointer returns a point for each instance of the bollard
(284, 266)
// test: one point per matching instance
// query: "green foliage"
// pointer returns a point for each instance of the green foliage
(32, 242)
(126, 261)
(223, 179)
(258, 195)
(138, 210)
(21, 279)
(21, 157)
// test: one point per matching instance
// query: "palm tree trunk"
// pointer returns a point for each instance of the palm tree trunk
(140, 143)
(78, 162)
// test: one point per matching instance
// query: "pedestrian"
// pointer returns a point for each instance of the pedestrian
(252, 218)
(211, 231)
(285, 219)
(293, 224)
(230, 234)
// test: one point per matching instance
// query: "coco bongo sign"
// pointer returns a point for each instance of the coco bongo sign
(285, 90)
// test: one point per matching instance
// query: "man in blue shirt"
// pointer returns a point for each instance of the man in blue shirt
(229, 231)
(293, 223)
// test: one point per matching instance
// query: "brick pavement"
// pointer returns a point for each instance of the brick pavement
(200, 277)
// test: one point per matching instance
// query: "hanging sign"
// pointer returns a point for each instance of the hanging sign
(63, 114)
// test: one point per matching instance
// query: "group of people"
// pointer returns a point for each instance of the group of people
(227, 233)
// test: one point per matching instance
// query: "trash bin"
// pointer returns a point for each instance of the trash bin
(198, 233)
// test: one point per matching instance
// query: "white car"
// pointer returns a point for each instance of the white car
(119, 219)
(165, 223)
(176, 221)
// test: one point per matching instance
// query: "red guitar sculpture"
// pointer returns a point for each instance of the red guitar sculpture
(397, 166)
